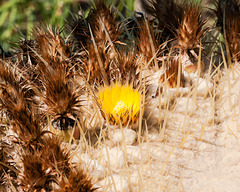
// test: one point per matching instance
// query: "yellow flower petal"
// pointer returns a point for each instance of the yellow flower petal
(120, 102)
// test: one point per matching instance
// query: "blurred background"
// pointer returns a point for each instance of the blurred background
(17, 17)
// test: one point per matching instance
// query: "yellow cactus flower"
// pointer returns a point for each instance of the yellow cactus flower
(120, 103)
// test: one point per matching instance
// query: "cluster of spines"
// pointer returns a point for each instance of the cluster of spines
(103, 46)
(42, 162)
(179, 31)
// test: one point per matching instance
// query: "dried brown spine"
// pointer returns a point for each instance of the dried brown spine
(80, 31)
(50, 45)
(15, 100)
(36, 174)
(61, 97)
(148, 42)
(191, 28)
(77, 181)
(102, 22)
(172, 70)
(127, 72)
(92, 64)
(167, 12)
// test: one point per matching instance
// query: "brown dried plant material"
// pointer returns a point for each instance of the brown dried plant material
(59, 93)
(96, 58)
(230, 11)
(101, 20)
(190, 33)
(42, 168)
(66, 176)
(191, 28)
(28, 58)
(229, 8)
(50, 45)
(3, 159)
(61, 97)
(36, 174)
(171, 73)
(49, 169)
(80, 31)
(183, 21)
(233, 37)
(167, 12)
(76, 181)
(147, 42)
(47, 47)
(58, 157)
(14, 99)
(122, 67)
(128, 68)
(7, 165)
(27, 62)
(101, 49)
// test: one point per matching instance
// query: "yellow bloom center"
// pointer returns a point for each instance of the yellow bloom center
(120, 108)
(120, 103)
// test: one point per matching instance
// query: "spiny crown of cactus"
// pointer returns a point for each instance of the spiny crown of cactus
(191, 27)
(96, 65)
(51, 46)
(127, 71)
(77, 181)
(14, 98)
(80, 31)
(61, 98)
(36, 174)
(167, 12)
(42, 168)
(102, 22)
(100, 61)
(147, 41)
